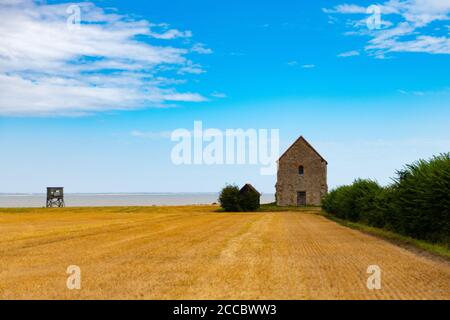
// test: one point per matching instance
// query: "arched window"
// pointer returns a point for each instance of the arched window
(301, 170)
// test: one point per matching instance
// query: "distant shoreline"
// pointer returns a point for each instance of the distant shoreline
(37, 200)
(106, 193)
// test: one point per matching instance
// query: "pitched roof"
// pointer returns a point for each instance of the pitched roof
(307, 143)
(248, 186)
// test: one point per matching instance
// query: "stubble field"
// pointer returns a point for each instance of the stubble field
(193, 252)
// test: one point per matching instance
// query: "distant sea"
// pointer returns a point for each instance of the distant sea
(116, 199)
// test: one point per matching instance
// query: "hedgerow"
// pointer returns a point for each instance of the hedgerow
(416, 204)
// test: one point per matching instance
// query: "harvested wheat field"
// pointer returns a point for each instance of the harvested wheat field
(194, 252)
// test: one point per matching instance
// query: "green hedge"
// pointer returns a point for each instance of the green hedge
(417, 204)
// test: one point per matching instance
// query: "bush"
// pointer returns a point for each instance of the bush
(337, 202)
(355, 202)
(229, 198)
(417, 204)
(379, 215)
(365, 194)
(422, 199)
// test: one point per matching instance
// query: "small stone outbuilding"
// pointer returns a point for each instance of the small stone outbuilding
(252, 193)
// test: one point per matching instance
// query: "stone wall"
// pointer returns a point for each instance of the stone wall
(289, 181)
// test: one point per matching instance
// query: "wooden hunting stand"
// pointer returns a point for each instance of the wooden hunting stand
(55, 197)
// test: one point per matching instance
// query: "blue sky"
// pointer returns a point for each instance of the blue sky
(91, 108)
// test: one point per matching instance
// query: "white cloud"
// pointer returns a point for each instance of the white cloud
(352, 53)
(426, 44)
(444, 92)
(193, 97)
(295, 63)
(201, 49)
(192, 68)
(171, 34)
(346, 8)
(405, 26)
(108, 63)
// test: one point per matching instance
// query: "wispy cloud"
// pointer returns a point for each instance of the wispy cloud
(441, 93)
(170, 34)
(295, 63)
(108, 63)
(415, 93)
(347, 54)
(201, 49)
(192, 68)
(406, 26)
(346, 8)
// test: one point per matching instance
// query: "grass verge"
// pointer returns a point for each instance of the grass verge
(416, 245)
(272, 207)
